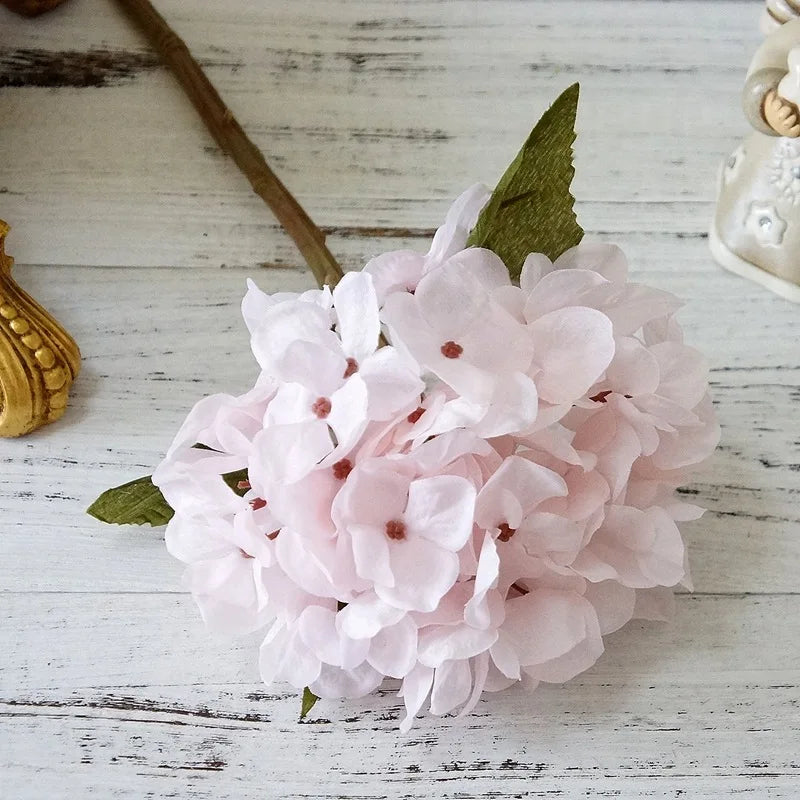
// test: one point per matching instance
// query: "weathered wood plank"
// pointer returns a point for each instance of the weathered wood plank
(376, 114)
(701, 707)
(374, 118)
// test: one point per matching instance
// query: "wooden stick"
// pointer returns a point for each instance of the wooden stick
(230, 136)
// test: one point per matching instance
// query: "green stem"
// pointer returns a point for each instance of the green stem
(230, 136)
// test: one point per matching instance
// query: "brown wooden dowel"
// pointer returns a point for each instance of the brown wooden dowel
(230, 136)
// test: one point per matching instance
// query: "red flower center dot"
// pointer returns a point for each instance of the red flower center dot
(396, 529)
(415, 415)
(258, 503)
(242, 485)
(341, 469)
(506, 532)
(322, 407)
(352, 368)
(452, 349)
(600, 397)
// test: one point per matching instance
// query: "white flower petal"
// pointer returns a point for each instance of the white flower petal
(357, 311)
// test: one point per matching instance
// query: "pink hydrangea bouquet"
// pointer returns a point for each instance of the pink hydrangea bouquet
(457, 469)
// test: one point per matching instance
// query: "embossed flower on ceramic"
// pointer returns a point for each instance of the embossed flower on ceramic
(765, 223)
(733, 164)
(453, 481)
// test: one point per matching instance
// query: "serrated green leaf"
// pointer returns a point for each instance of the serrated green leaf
(139, 502)
(308, 702)
(531, 209)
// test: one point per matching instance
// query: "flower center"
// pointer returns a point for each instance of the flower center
(258, 503)
(274, 535)
(600, 397)
(452, 349)
(506, 532)
(243, 485)
(341, 469)
(352, 368)
(415, 415)
(321, 407)
(396, 529)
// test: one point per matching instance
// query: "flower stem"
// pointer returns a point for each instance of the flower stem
(230, 136)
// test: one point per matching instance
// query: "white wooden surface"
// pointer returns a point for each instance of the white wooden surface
(132, 228)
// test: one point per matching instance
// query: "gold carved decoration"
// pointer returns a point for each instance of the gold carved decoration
(38, 359)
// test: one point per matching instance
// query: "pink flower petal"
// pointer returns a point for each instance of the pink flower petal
(572, 348)
(334, 683)
(441, 509)
(286, 323)
(453, 296)
(423, 573)
(452, 685)
(414, 691)
(393, 650)
(451, 237)
(439, 645)
(287, 453)
(513, 407)
(398, 271)
(372, 554)
(637, 548)
(529, 482)
(630, 306)
(634, 369)
(476, 612)
(546, 624)
(684, 373)
(613, 604)
(534, 268)
(391, 385)
(561, 289)
(607, 260)
(367, 615)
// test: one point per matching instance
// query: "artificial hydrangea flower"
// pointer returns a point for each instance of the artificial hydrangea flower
(451, 480)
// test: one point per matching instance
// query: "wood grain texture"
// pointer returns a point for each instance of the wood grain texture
(132, 228)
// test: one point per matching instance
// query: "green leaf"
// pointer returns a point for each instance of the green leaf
(309, 700)
(531, 209)
(233, 479)
(139, 502)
